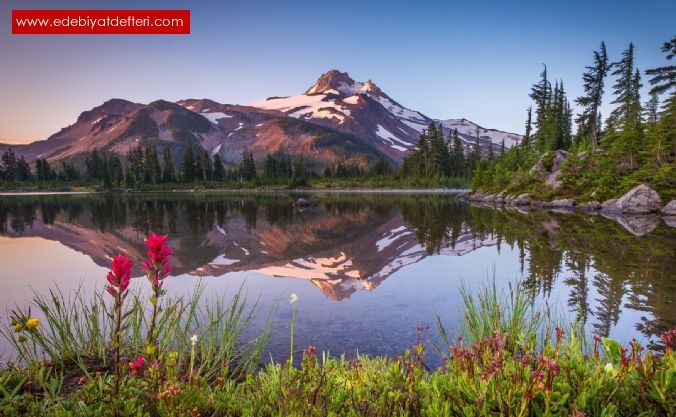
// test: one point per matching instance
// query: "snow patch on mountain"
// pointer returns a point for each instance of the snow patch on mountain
(389, 137)
(306, 107)
(215, 116)
(468, 128)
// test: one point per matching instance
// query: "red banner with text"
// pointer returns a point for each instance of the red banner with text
(107, 22)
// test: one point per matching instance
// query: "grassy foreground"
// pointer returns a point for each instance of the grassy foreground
(124, 353)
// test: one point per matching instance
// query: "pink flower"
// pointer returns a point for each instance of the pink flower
(119, 275)
(137, 367)
(157, 265)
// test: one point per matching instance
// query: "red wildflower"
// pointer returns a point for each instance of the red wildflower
(157, 265)
(119, 275)
(137, 367)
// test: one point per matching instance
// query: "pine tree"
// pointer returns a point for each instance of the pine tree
(623, 89)
(651, 109)
(593, 79)
(219, 171)
(93, 165)
(115, 170)
(247, 167)
(541, 95)
(529, 125)
(168, 174)
(664, 78)
(9, 162)
(299, 173)
(23, 170)
(134, 166)
(188, 165)
(206, 166)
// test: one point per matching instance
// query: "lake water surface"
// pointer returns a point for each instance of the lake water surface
(367, 268)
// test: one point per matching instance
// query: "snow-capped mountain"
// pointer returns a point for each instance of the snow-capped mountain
(336, 119)
(337, 101)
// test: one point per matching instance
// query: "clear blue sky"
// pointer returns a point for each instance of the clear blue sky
(469, 59)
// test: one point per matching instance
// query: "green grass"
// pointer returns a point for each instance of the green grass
(498, 369)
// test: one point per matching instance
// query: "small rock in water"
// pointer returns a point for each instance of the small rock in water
(301, 202)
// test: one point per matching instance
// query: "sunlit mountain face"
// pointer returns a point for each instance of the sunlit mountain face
(337, 119)
(345, 245)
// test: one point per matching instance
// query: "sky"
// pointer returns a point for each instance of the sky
(446, 59)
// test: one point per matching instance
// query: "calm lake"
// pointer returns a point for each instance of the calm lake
(367, 268)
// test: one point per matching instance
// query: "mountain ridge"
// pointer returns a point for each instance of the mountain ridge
(336, 119)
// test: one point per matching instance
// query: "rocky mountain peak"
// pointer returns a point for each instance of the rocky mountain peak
(371, 87)
(115, 106)
(332, 80)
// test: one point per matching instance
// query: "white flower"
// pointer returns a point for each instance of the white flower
(294, 298)
(193, 339)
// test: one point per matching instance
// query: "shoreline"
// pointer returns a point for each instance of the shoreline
(251, 191)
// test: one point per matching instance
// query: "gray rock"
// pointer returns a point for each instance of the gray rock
(670, 221)
(610, 205)
(639, 200)
(522, 200)
(509, 198)
(561, 203)
(559, 157)
(538, 167)
(639, 225)
(478, 195)
(553, 180)
(301, 202)
(591, 205)
(669, 209)
(582, 154)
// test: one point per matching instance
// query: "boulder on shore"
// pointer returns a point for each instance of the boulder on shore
(553, 180)
(522, 200)
(640, 200)
(560, 203)
(559, 157)
(610, 205)
(669, 209)
(591, 205)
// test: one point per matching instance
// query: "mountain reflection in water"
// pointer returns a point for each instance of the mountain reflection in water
(347, 243)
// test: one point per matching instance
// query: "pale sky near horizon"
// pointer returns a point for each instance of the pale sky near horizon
(445, 59)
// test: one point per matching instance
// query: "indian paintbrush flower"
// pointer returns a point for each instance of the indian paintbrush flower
(157, 268)
(119, 275)
(118, 281)
(137, 367)
(157, 265)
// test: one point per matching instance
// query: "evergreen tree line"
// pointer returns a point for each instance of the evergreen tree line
(13, 168)
(437, 157)
(142, 165)
(636, 143)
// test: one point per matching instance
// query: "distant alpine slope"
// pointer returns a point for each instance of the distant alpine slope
(336, 120)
